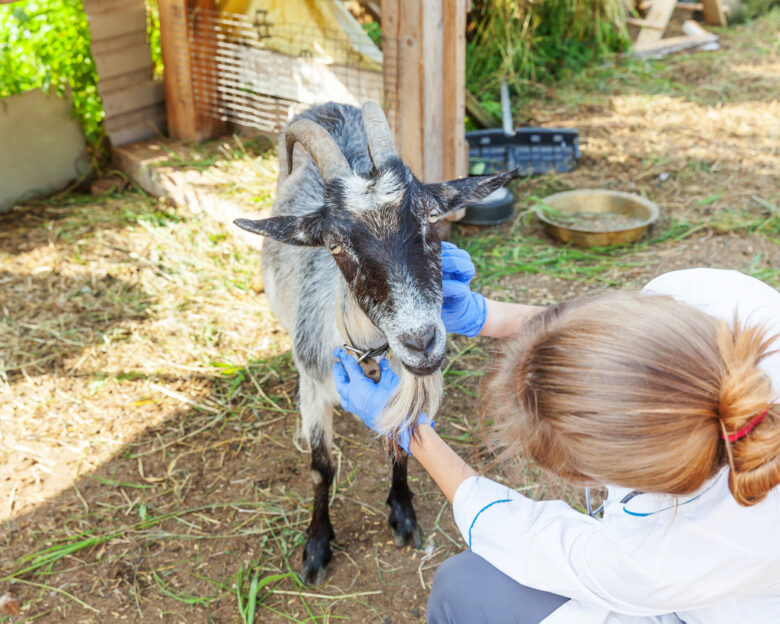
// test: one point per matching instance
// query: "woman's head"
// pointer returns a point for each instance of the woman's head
(637, 390)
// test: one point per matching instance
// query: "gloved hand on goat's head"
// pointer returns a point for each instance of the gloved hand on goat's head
(365, 398)
(463, 311)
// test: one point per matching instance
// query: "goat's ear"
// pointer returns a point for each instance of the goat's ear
(459, 193)
(305, 230)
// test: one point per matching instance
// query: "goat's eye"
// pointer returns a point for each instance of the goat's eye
(433, 216)
(335, 248)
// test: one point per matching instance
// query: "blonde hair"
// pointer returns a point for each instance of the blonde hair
(636, 390)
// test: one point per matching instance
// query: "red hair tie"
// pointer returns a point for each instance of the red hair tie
(746, 429)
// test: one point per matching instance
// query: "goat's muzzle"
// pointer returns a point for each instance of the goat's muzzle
(424, 352)
(424, 371)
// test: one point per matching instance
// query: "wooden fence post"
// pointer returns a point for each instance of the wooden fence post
(424, 80)
(189, 73)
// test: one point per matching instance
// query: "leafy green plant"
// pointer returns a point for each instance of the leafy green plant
(153, 35)
(374, 31)
(751, 9)
(45, 43)
(526, 42)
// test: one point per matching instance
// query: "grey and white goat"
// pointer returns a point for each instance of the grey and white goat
(355, 250)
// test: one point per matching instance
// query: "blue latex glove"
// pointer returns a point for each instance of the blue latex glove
(463, 311)
(366, 399)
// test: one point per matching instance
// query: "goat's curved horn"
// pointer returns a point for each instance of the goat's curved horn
(380, 139)
(322, 147)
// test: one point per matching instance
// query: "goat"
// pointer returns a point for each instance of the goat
(354, 255)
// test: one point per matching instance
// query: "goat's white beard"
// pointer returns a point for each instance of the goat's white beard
(414, 395)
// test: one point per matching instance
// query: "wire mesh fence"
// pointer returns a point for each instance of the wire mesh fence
(253, 72)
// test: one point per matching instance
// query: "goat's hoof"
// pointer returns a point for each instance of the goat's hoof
(406, 536)
(403, 521)
(316, 557)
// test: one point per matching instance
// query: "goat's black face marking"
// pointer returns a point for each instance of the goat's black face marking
(391, 258)
(381, 228)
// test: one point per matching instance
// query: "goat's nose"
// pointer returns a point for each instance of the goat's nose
(420, 342)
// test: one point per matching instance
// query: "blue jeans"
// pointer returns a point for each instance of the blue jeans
(468, 590)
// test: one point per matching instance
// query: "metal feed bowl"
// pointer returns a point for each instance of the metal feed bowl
(597, 201)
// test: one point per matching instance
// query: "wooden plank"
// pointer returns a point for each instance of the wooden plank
(121, 43)
(674, 44)
(714, 13)
(478, 113)
(389, 24)
(686, 6)
(409, 90)
(693, 29)
(137, 125)
(433, 93)
(659, 14)
(424, 84)
(112, 87)
(140, 96)
(103, 6)
(633, 21)
(132, 101)
(135, 117)
(454, 90)
(131, 59)
(115, 23)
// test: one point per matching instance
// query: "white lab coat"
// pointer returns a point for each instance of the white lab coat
(704, 560)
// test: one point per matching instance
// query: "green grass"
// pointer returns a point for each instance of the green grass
(526, 43)
(499, 252)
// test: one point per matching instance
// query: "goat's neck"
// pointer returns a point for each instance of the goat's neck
(361, 331)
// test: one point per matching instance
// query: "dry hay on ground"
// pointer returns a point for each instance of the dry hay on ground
(147, 401)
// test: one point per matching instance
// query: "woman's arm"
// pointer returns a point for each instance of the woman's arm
(444, 465)
(504, 319)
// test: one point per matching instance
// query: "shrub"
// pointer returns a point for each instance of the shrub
(45, 43)
(530, 41)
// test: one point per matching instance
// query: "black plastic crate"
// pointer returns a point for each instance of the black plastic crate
(534, 150)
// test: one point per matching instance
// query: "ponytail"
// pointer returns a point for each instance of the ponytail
(639, 391)
(747, 398)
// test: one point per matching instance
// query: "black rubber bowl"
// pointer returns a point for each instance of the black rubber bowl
(494, 209)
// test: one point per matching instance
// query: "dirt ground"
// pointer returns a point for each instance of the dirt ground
(148, 466)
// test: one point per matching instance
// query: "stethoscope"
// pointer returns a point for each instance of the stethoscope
(594, 513)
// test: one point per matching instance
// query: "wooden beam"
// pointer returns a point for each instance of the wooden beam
(454, 90)
(714, 13)
(424, 83)
(686, 6)
(432, 72)
(479, 114)
(676, 44)
(642, 23)
(659, 14)
(185, 99)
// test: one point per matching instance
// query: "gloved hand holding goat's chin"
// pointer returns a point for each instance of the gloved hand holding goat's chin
(364, 398)
(463, 311)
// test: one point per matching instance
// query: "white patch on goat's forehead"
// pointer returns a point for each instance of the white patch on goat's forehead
(362, 195)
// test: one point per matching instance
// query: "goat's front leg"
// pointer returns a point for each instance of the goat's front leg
(402, 518)
(317, 553)
(317, 429)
